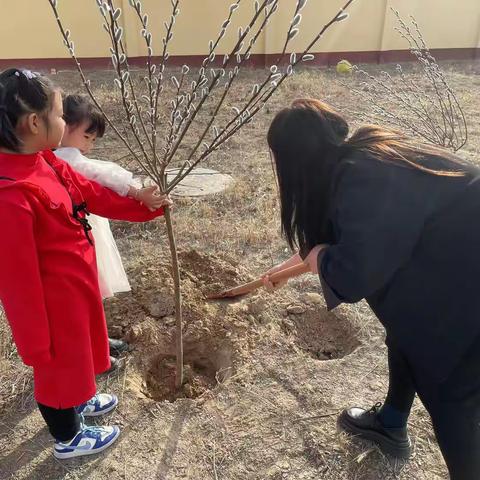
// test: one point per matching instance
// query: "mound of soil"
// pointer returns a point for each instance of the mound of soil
(210, 274)
(146, 318)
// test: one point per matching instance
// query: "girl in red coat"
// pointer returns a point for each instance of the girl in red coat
(48, 276)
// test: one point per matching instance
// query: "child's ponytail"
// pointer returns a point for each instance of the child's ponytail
(8, 137)
(21, 92)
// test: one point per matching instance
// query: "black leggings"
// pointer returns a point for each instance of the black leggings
(454, 407)
(63, 424)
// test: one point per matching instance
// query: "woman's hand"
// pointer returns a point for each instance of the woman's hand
(268, 284)
(312, 258)
(149, 197)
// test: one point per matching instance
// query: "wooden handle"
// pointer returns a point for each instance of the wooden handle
(284, 274)
(289, 272)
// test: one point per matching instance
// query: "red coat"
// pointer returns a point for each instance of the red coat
(48, 273)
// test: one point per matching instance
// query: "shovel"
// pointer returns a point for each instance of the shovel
(284, 274)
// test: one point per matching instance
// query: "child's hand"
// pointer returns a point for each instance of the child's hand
(151, 200)
(166, 201)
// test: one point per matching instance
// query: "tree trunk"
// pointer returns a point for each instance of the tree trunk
(178, 300)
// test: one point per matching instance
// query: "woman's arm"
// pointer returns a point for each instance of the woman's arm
(379, 214)
(295, 259)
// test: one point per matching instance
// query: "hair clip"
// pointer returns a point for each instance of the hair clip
(28, 73)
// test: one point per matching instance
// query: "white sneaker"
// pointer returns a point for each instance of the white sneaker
(100, 404)
(88, 441)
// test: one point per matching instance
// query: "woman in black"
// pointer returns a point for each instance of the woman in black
(398, 224)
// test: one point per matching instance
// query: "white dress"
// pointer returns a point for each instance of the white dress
(111, 274)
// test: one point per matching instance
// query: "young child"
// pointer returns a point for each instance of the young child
(48, 276)
(84, 124)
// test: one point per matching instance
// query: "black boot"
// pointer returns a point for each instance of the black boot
(114, 365)
(366, 425)
(117, 347)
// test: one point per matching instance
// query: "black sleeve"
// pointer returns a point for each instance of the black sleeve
(378, 215)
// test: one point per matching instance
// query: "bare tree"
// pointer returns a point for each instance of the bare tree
(210, 86)
(429, 110)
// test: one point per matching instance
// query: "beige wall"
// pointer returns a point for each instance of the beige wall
(444, 23)
(29, 30)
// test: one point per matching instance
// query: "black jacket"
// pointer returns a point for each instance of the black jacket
(409, 243)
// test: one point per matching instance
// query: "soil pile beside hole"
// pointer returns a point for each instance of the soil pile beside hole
(146, 319)
(324, 335)
(210, 273)
(159, 304)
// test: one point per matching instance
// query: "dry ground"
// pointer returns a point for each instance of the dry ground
(267, 374)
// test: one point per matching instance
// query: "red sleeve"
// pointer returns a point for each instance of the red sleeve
(106, 203)
(21, 289)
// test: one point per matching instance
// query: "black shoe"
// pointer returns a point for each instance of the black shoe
(366, 425)
(117, 347)
(114, 365)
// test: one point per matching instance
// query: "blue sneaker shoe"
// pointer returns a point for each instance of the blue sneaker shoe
(100, 404)
(88, 441)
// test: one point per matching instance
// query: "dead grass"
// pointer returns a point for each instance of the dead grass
(274, 416)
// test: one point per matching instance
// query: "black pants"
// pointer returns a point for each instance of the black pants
(63, 424)
(454, 407)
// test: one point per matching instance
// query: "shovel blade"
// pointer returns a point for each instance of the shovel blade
(222, 295)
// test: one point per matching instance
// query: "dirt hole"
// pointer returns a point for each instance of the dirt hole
(205, 365)
(324, 335)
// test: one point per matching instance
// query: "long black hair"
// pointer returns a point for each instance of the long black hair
(78, 109)
(21, 92)
(307, 141)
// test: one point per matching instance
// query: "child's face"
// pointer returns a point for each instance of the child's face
(78, 137)
(55, 123)
(43, 132)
